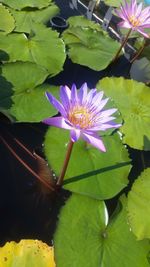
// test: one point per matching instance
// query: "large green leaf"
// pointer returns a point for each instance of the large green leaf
(27, 3)
(25, 19)
(26, 253)
(28, 103)
(139, 206)
(88, 46)
(133, 100)
(87, 240)
(43, 46)
(90, 172)
(7, 22)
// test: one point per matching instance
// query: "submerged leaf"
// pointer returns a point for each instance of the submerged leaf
(133, 100)
(87, 239)
(27, 253)
(90, 172)
(140, 70)
(139, 206)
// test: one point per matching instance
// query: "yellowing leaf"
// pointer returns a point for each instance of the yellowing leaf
(27, 253)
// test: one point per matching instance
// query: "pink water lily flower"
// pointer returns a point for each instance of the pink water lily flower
(82, 113)
(134, 17)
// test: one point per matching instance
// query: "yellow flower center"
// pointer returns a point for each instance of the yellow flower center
(80, 116)
(134, 21)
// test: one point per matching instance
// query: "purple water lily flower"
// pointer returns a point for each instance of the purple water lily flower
(82, 113)
(134, 17)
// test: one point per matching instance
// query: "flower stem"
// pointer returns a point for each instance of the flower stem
(122, 45)
(139, 52)
(66, 161)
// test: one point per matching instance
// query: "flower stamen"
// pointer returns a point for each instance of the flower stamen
(134, 21)
(80, 116)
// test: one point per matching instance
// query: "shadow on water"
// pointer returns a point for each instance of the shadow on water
(28, 210)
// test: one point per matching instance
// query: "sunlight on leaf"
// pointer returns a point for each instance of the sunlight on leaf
(132, 99)
(27, 253)
(90, 172)
(43, 47)
(25, 19)
(139, 206)
(7, 22)
(88, 46)
(27, 3)
(87, 240)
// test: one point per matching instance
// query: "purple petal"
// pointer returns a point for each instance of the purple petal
(82, 93)
(124, 24)
(108, 112)
(97, 98)
(57, 122)
(74, 95)
(94, 140)
(104, 127)
(143, 33)
(75, 134)
(90, 96)
(56, 104)
(65, 96)
(138, 11)
(100, 106)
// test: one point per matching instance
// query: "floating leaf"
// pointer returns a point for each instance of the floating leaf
(140, 70)
(139, 206)
(25, 19)
(132, 99)
(27, 253)
(28, 103)
(90, 172)
(7, 22)
(90, 47)
(87, 240)
(28, 3)
(114, 3)
(43, 46)
(81, 21)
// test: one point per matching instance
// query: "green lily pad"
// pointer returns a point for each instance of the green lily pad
(43, 47)
(139, 206)
(28, 102)
(88, 46)
(114, 3)
(25, 19)
(87, 239)
(132, 98)
(81, 21)
(90, 172)
(26, 253)
(28, 3)
(7, 22)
